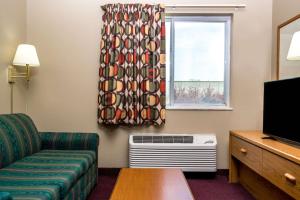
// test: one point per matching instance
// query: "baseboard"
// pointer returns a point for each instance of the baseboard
(115, 172)
(223, 172)
(108, 171)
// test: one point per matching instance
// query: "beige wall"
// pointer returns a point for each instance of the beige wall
(282, 11)
(12, 32)
(63, 93)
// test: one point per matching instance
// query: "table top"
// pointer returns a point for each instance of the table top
(280, 148)
(151, 184)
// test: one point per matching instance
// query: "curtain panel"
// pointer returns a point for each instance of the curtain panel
(132, 88)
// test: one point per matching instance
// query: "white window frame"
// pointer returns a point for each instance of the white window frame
(201, 18)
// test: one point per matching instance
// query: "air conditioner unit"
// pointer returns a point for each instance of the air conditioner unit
(189, 152)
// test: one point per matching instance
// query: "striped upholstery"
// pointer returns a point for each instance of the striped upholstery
(65, 168)
(83, 186)
(49, 167)
(33, 192)
(72, 141)
(18, 138)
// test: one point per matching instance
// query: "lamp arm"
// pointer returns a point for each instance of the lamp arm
(18, 76)
(12, 73)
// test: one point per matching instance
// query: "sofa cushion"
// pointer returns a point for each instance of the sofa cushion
(80, 159)
(60, 168)
(32, 192)
(18, 138)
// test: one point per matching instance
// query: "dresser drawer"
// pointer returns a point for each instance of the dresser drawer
(247, 153)
(282, 173)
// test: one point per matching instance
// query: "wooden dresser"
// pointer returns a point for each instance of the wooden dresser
(267, 168)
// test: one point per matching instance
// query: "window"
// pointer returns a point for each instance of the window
(198, 49)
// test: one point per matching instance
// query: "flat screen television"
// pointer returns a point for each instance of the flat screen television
(281, 115)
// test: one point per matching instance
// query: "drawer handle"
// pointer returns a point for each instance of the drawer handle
(243, 150)
(290, 178)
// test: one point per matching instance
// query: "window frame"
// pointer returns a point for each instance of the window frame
(227, 19)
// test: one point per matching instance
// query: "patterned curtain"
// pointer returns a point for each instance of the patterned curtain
(132, 65)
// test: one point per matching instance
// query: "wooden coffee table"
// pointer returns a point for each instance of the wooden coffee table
(154, 184)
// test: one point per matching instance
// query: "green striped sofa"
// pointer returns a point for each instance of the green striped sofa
(45, 165)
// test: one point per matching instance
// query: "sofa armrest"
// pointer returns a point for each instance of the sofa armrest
(5, 196)
(70, 141)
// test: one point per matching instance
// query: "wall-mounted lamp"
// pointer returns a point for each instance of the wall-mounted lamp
(294, 51)
(25, 56)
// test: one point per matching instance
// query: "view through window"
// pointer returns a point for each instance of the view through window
(198, 49)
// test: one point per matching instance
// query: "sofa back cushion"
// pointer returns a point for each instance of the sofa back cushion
(18, 138)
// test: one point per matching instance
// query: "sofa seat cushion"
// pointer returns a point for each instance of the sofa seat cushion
(61, 168)
(80, 159)
(32, 192)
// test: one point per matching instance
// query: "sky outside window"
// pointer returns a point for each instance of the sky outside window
(199, 51)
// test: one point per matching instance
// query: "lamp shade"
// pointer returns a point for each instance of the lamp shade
(26, 55)
(294, 51)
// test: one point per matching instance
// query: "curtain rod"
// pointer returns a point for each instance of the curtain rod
(206, 6)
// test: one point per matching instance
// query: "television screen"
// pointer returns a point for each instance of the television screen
(282, 109)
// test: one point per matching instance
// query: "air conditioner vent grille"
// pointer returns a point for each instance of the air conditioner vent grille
(189, 152)
(163, 139)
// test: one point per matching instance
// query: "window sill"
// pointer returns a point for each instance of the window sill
(211, 108)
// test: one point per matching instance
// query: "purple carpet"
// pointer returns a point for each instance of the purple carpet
(205, 189)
